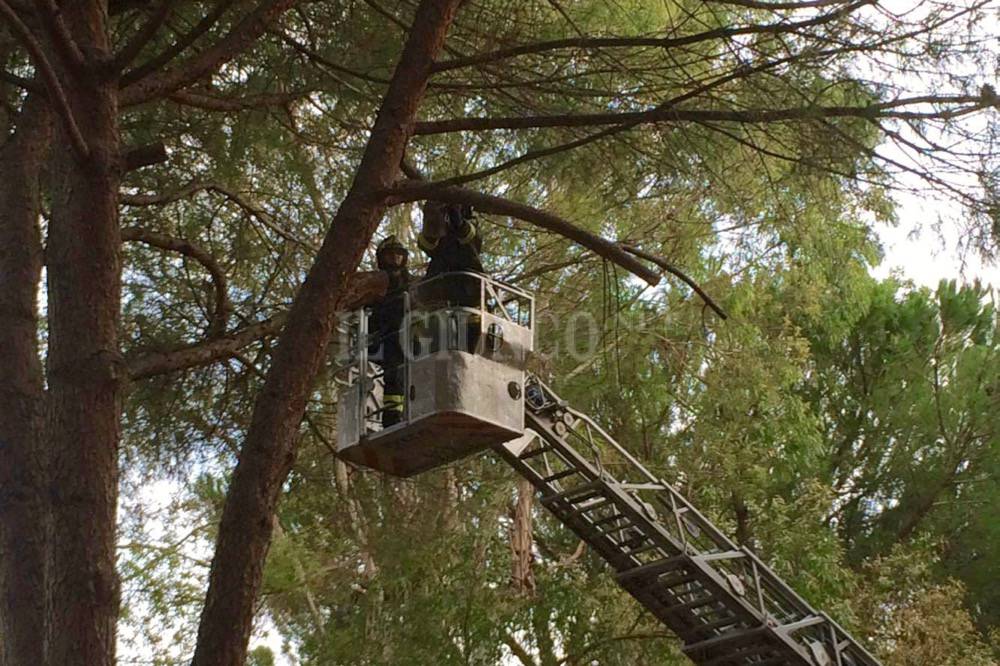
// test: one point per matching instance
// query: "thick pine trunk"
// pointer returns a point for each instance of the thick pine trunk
(22, 506)
(85, 369)
(267, 454)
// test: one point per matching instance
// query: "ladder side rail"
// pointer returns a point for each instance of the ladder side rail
(686, 514)
(771, 604)
(610, 551)
(580, 416)
(852, 647)
(715, 583)
(778, 603)
(781, 589)
(761, 580)
(722, 541)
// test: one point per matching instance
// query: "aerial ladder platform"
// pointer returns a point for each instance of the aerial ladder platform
(467, 348)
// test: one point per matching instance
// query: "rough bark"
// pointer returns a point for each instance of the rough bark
(85, 370)
(521, 540)
(22, 507)
(267, 454)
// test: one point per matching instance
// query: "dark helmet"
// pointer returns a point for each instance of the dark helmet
(391, 254)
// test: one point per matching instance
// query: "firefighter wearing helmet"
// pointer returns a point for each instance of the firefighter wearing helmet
(384, 328)
(451, 242)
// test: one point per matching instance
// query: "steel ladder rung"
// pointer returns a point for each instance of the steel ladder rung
(609, 519)
(721, 622)
(726, 641)
(643, 549)
(535, 452)
(754, 650)
(560, 475)
(574, 512)
(576, 494)
(652, 569)
(692, 605)
(621, 527)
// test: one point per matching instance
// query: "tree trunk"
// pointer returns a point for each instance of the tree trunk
(267, 454)
(521, 541)
(22, 505)
(85, 369)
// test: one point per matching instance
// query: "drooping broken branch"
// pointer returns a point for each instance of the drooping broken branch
(673, 270)
(222, 307)
(415, 190)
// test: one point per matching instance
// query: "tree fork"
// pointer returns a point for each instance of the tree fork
(268, 451)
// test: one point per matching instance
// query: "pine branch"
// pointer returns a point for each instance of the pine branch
(235, 104)
(778, 6)
(418, 190)
(180, 45)
(206, 352)
(363, 288)
(249, 207)
(21, 82)
(658, 42)
(518, 650)
(143, 156)
(222, 306)
(134, 47)
(62, 40)
(961, 105)
(54, 89)
(242, 37)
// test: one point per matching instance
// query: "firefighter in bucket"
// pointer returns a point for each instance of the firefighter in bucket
(452, 243)
(385, 325)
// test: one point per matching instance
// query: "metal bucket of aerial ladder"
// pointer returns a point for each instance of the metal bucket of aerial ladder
(466, 340)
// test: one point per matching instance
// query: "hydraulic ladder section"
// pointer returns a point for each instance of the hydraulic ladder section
(725, 604)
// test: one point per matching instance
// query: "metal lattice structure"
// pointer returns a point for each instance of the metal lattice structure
(725, 604)
(467, 339)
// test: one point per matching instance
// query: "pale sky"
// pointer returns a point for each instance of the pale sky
(919, 253)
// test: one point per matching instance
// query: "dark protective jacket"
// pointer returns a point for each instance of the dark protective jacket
(457, 250)
(387, 318)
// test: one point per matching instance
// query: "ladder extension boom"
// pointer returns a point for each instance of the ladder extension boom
(724, 603)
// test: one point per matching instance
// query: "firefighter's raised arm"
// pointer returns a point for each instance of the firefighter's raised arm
(442, 220)
(434, 227)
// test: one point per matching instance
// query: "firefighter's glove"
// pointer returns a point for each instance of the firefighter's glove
(435, 220)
